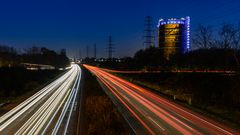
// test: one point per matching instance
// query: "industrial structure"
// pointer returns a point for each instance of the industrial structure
(110, 48)
(87, 49)
(174, 36)
(149, 36)
(94, 51)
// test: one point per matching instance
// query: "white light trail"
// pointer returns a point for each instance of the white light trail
(44, 105)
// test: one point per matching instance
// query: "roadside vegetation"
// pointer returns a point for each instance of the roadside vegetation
(16, 82)
(100, 116)
(215, 94)
(10, 57)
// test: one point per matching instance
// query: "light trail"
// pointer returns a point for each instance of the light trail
(76, 87)
(171, 71)
(156, 114)
(129, 108)
(39, 113)
(41, 93)
(67, 106)
(33, 123)
(54, 115)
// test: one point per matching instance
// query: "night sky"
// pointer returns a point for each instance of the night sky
(74, 24)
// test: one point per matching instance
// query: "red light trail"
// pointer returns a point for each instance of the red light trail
(154, 113)
(172, 71)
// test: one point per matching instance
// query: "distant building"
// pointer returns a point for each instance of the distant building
(174, 36)
(31, 66)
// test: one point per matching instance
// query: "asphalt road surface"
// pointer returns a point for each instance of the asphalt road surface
(49, 111)
(149, 113)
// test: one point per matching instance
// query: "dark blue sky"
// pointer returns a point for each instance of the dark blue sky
(73, 24)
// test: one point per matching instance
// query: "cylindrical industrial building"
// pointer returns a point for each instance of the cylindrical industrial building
(174, 36)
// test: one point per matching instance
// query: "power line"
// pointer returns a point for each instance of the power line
(110, 48)
(148, 33)
(87, 49)
(95, 50)
(80, 53)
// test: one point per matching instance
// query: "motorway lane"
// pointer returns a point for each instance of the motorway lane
(172, 71)
(155, 114)
(39, 113)
(62, 126)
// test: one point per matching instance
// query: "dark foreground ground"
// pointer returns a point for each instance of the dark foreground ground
(215, 95)
(99, 115)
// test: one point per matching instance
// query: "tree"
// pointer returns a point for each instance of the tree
(63, 52)
(150, 57)
(229, 38)
(42, 55)
(236, 38)
(203, 36)
(227, 34)
(32, 50)
(8, 56)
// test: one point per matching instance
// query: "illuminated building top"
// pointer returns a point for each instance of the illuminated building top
(171, 21)
(183, 24)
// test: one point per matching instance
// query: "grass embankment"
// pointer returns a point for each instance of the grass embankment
(216, 95)
(100, 116)
(17, 84)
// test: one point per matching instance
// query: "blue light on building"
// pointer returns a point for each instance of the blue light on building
(174, 35)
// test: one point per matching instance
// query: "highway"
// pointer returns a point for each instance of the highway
(49, 111)
(149, 113)
(172, 71)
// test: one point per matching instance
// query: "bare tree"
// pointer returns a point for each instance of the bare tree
(236, 43)
(32, 50)
(203, 36)
(227, 34)
(229, 37)
(236, 37)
